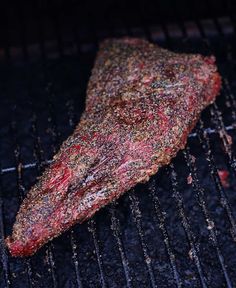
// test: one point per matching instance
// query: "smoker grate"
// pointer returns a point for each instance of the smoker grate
(165, 233)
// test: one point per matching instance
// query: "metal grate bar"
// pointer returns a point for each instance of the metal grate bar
(54, 135)
(92, 229)
(136, 215)
(75, 259)
(160, 220)
(38, 151)
(52, 266)
(4, 257)
(115, 227)
(20, 188)
(200, 195)
(25, 166)
(212, 131)
(184, 220)
(204, 140)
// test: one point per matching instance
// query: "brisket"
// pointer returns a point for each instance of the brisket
(142, 102)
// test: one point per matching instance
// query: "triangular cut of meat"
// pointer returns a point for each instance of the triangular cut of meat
(142, 102)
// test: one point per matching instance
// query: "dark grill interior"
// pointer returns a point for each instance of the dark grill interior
(179, 229)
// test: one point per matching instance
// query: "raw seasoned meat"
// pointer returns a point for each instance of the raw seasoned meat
(142, 102)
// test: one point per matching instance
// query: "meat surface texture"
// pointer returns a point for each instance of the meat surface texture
(142, 102)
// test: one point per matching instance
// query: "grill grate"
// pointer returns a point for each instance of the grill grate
(137, 216)
(160, 221)
(187, 228)
(115, 226)
(219, 188)
(209, 221)
(132, 209)
(20, 189)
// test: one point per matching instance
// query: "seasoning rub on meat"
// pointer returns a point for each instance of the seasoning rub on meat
(142, 102)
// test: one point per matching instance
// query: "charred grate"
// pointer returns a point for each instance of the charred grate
(165, 233)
